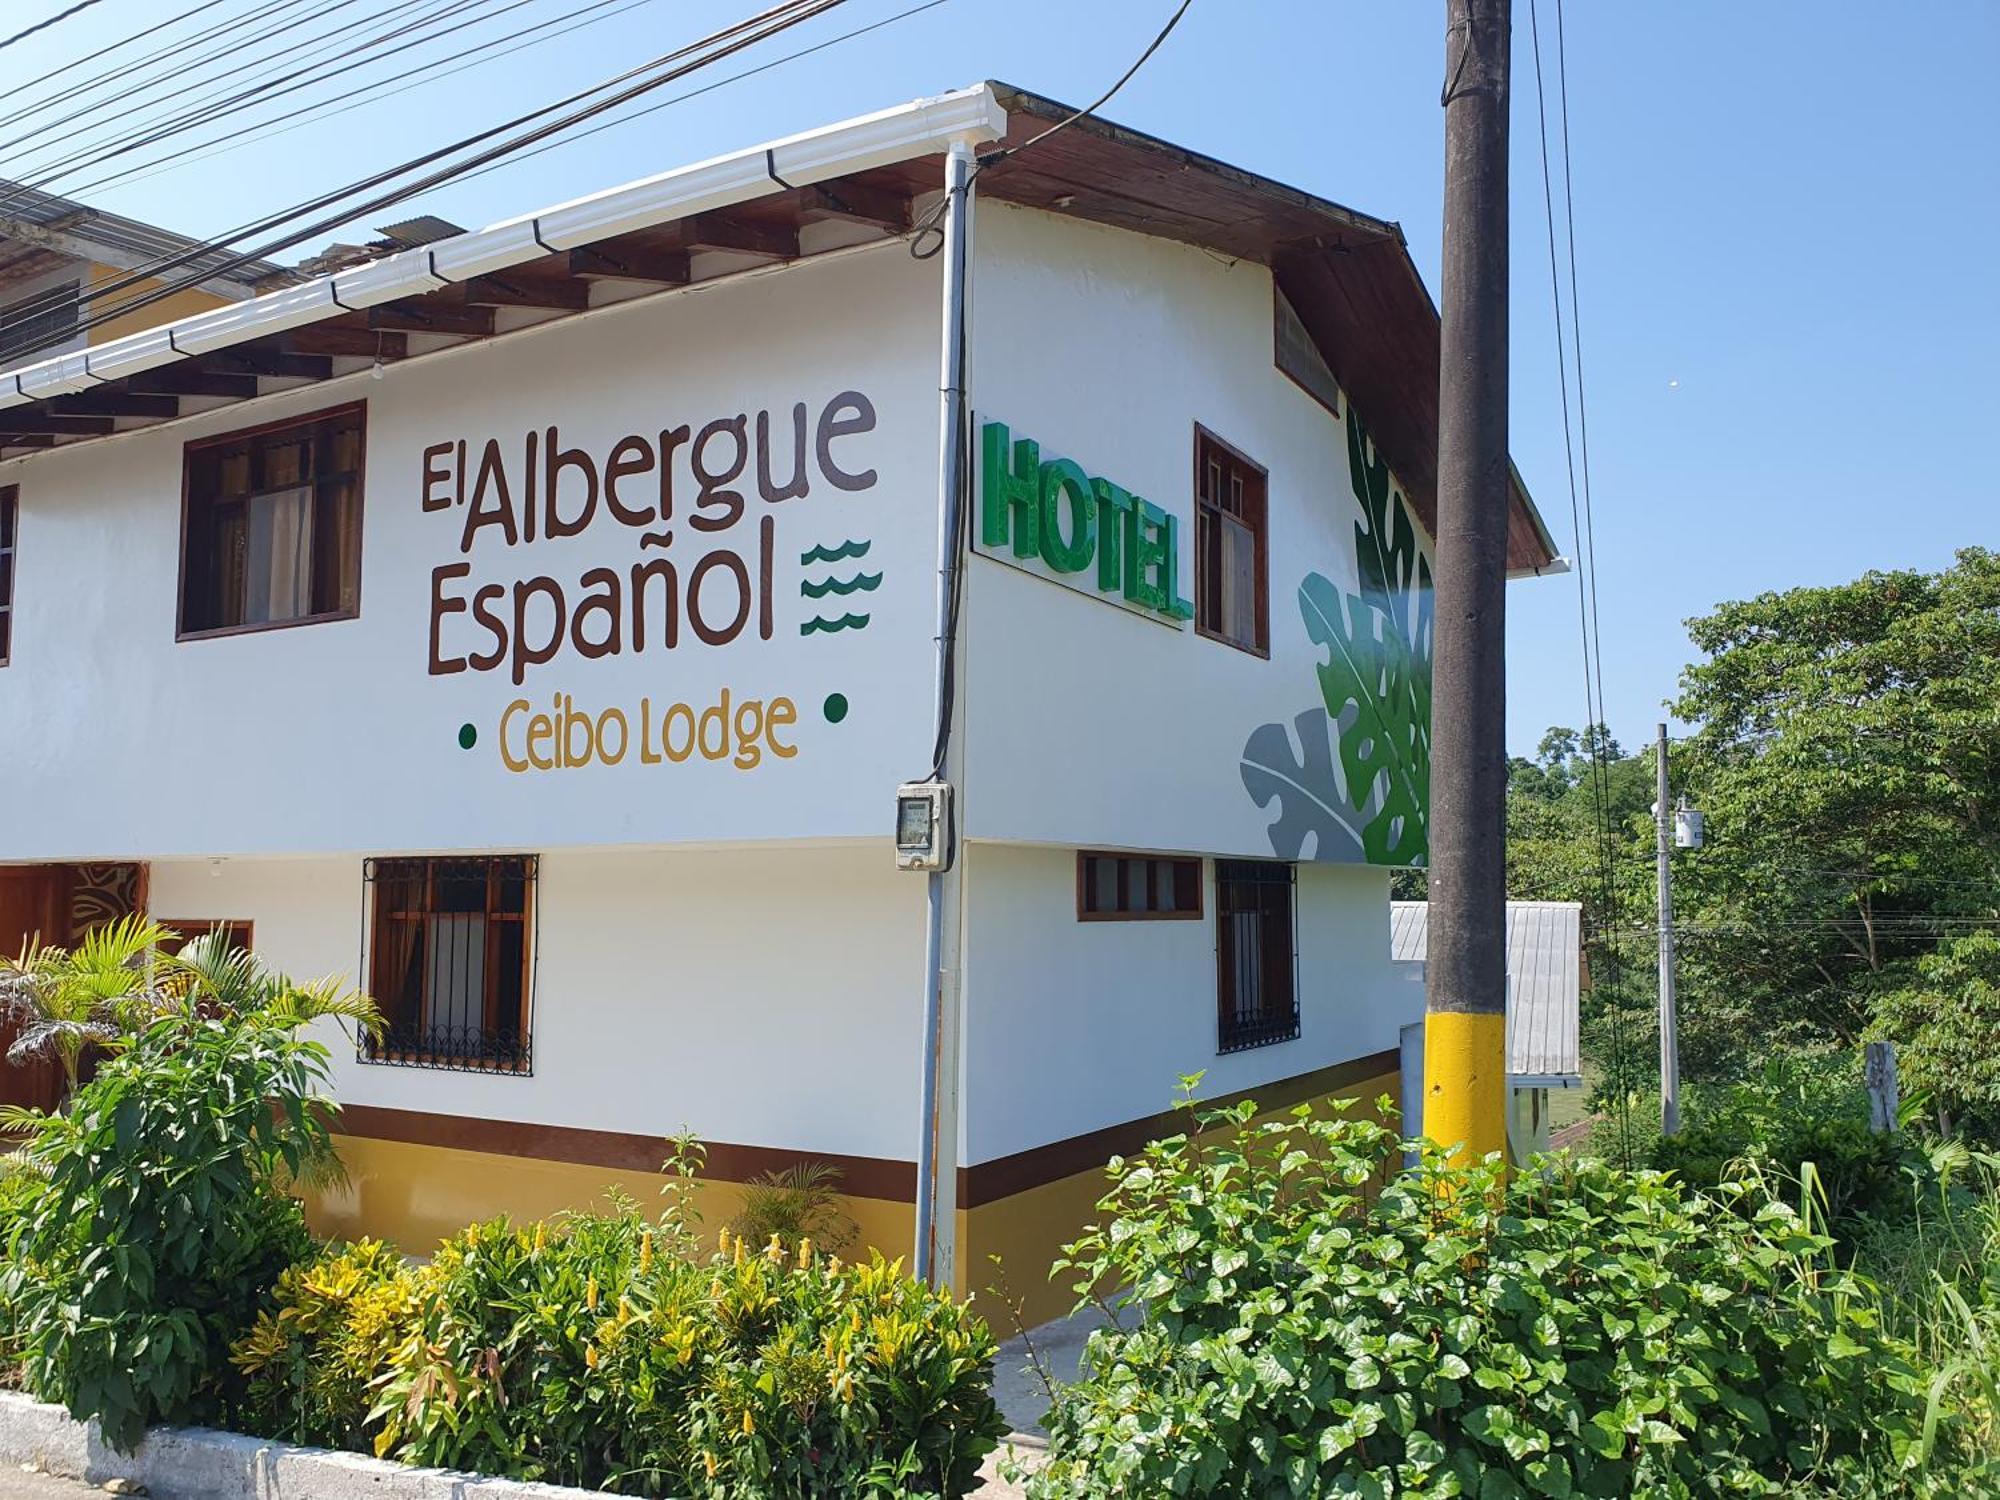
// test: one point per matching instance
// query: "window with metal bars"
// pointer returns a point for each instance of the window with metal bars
(1256, 989)
(450, 950)
(1232, 553)
(9, 519)
(271, 525)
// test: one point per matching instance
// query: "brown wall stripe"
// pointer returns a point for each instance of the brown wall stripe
(862, 1176)
(1007, 1175)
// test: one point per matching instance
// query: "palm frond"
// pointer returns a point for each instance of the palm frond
(22, 1119)
(209, 968)
(110, 961)
(298, 1004)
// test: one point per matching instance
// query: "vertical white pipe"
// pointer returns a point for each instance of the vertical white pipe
(959, 168)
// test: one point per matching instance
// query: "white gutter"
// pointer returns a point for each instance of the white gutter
(922, 128)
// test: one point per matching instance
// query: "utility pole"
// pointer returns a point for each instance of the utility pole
(1465, 1021)
(1670, 1037)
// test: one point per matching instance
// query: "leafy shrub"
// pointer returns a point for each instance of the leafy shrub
(799, 1202)
(1303, 1330)
(589, 1350)
(164, 1223)
(1800, 1107)
(308, 1361)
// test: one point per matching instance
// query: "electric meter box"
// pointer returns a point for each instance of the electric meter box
(923, 825)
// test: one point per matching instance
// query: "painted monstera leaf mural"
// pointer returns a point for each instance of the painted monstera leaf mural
(1360, 783)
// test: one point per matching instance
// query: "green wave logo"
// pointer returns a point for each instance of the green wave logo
(863, 582)
(835, 554)
(846, 622)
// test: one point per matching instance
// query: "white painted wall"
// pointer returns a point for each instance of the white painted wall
(760, 996)
(1072, 1026)
(1090, 724)
(335, 737)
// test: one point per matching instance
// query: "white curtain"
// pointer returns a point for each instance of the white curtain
(278, 569)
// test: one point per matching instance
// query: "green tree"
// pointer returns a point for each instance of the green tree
(1847, 753)
(1946, 1025)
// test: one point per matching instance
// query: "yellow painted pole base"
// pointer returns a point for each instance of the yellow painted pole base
(1465, 1082)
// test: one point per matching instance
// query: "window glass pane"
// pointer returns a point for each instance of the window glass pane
(1163, 885)
(278, 553)
(455, 986)
(1103, 884)
(1238, 581)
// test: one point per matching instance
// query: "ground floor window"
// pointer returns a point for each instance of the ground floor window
(235, 934)
(1256, 993)
(449, 960)
(1131, 887)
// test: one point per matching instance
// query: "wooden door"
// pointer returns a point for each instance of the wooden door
(34, 907)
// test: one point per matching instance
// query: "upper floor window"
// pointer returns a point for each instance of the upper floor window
(1132, 887)
(271, 525)
(9, 519)
(1232, 554)
(449, 957)
(1256, 995)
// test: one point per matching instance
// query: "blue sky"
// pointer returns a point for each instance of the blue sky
(1787, 219)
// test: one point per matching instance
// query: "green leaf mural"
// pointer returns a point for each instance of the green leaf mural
(1376, 688)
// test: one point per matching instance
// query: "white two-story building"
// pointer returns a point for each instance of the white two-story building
(533, 627)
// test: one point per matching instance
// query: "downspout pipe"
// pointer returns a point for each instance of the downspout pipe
(956, 224)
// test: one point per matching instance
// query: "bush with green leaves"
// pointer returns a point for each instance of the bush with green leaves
(1799, 1107)
(165, 1222)
(1301, 1319)
(165, 1216)
(604, 1350)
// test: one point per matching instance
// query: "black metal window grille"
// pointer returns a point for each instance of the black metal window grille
(449, 961)
(1256, 980)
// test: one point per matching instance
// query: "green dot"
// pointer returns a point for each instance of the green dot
(467, 736)
(835, 707)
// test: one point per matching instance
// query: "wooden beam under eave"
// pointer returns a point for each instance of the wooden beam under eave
(418, 316)
(187, 380)
(504, 289)
(33, 419)
(739, 236)
(853, 203)
(347, 339)
(249, 360)
(611, 261)
(25, 440)
(103, 402)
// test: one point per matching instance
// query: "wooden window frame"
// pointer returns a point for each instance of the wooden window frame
(10, 573)
(1273, 1029)
(369, 1050)
(1181, 862)
(240, 930)
(249, 434)
(1261, 646)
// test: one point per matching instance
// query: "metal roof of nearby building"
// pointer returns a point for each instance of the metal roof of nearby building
(1545, 973)
(54, 225)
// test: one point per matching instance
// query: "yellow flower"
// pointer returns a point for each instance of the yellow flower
(805, 1251)
(590, 1356)
(834, 1265)
(722, 1240)
(541, 1234)
(590, 1294)
(708, 1462)
(645, 1252)
(775, 1251)
(749, 1423)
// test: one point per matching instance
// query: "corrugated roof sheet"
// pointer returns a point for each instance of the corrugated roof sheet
(144, 242)
(1545, 973)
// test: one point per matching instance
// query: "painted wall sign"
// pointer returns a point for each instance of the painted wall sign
(1052, 518)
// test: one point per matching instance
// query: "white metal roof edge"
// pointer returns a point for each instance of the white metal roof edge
(918, 128)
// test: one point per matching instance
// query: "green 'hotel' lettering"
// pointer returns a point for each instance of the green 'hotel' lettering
(1084, 529)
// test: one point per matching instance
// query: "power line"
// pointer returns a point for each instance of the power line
(27, 32)
(699, 54)
(379, 89)
(707, 88)
(158, 55)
